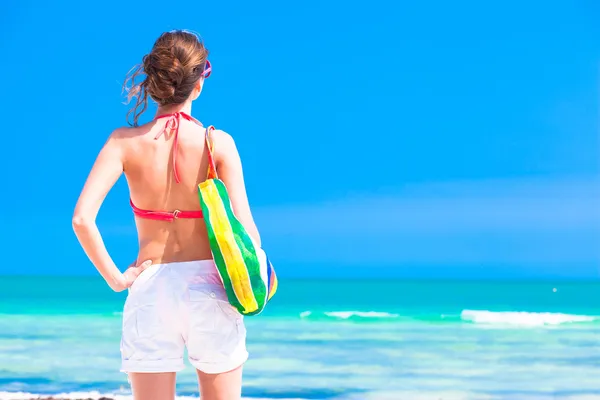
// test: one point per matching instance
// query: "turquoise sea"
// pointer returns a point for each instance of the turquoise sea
(333, 339)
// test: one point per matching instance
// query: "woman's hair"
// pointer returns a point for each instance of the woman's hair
(172, 68)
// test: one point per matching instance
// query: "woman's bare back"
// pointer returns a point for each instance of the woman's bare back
(148, 166)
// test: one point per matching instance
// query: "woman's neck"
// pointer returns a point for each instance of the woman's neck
(173, 108)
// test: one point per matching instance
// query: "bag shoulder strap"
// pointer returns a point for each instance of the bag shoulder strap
(212, 167)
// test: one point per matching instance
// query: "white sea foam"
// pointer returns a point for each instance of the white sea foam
(90, 395)
(523, 318)
(72, 395)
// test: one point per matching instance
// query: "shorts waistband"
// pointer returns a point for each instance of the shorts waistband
(199, 272)
(208, 265)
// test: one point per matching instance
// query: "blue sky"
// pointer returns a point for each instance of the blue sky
(379, 139)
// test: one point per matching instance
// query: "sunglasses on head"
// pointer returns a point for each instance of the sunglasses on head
(207, 69)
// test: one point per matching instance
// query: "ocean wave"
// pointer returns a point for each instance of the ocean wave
(347, 315)
(96, 396)
(523, 318)
(483, 317)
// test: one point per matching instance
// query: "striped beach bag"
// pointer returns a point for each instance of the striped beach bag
(245, 270)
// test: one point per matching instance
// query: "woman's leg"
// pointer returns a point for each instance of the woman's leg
(223, 386)
(153, 386)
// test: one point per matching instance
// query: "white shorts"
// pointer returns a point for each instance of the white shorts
(177, 305)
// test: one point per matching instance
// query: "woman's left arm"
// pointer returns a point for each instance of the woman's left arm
(107, 169)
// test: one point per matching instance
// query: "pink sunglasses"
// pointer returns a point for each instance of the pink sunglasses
(207, 69)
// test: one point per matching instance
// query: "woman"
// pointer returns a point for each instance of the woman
(175, 297)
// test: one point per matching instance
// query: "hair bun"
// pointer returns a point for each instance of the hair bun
(172, 69)
(162, 75)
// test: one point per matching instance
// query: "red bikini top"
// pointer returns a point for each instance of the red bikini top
(173, 125)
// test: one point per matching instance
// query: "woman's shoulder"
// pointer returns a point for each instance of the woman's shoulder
(127, 133)
(221, 136)
(223, 143)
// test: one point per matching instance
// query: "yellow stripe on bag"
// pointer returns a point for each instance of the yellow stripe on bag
(234, 261)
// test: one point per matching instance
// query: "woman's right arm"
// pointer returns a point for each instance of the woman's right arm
(229, 169)
(104, 174)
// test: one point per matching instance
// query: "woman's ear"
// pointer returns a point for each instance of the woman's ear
(197, 88)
